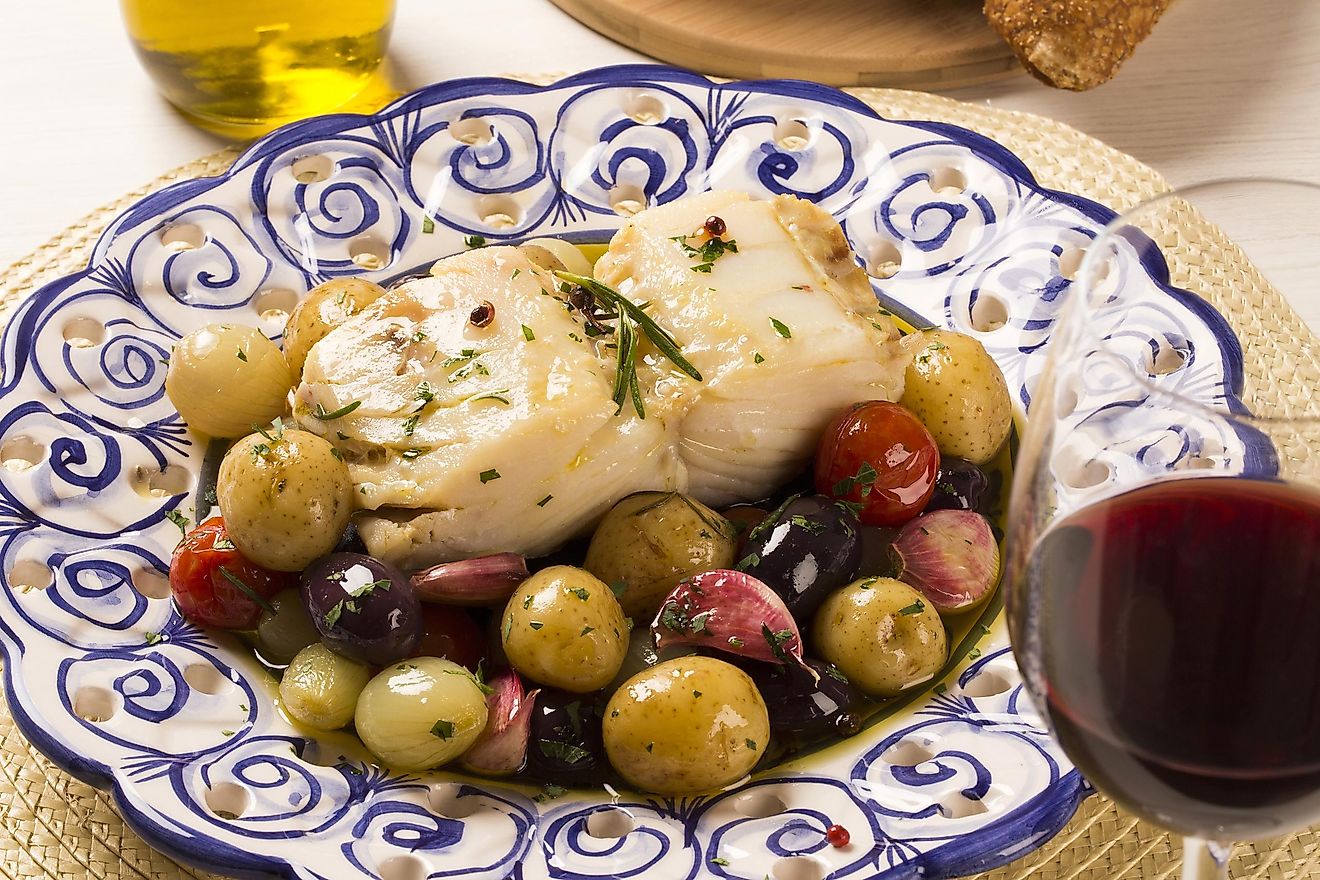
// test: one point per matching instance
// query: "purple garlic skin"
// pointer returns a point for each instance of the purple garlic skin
(729, 611)
(483, 580)
(950, 556)
(501, 749)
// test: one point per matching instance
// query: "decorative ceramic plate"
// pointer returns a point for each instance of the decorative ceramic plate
(108, 680)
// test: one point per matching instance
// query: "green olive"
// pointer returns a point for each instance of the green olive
(225, 378)
(320, 688)
(282, 634)
(421, 713)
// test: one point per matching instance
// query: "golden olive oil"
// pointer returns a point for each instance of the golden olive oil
(242, 67)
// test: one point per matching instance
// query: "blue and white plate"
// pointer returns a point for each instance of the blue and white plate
(105, 677)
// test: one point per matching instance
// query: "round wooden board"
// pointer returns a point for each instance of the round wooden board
(911, 44)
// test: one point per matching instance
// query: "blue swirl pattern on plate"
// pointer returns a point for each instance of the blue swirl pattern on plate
(104, 677)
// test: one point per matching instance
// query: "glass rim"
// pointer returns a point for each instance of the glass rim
(1092, 262)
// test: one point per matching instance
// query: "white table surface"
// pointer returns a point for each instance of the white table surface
(1222, 87)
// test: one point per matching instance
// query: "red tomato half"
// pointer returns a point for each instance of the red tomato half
(451, 633)
(214, 584)
(879, 456)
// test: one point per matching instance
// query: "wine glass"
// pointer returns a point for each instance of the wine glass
(1163, 567)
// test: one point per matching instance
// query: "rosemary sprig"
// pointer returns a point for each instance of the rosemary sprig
(630, 318)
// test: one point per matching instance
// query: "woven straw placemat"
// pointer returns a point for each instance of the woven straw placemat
(52, 825)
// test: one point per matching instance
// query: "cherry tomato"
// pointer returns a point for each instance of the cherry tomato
(880, 456)
(215, 585)
(450, 632)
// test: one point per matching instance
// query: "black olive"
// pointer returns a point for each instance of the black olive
(804, 551)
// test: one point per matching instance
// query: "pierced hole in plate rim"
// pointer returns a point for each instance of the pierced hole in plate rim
(759, 804)
(1163, 359)
(987, 684)
(20, 452)
(610, 822)
(445, 798)
(645, 109)
(627, 199)
(95, 704)
(883, 260)
(989, 312)
(1070, 262)
(792, 134)
(499, 212)
(151, 583)
(959, 806)
(273, 307)
(947, 179)
(369, 253)
(84, 333)
(473, 131)
(1199, 462)
(1087, 474)
(907, 753)
(169, 481)
(404, 868)
(205, 678)
(182, 237)
(798, 868)
(30, 574)
(312, 169)
(228, 800)
(1065, 402)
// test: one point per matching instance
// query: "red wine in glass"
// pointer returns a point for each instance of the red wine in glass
(1179, 641)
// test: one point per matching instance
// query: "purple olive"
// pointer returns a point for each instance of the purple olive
(804, 551)
(363, 608)
(806, 706)
(960, 485)
(565, 745)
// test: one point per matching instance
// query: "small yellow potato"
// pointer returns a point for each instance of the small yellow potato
(285, 496)
(652, 540)
(225, 378)
(325, 307)
(959, 393)
(563, 627)
(320, 688)
(421, 713)
(881, 634)
(685, 726)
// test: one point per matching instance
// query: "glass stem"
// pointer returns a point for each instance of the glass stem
(1205, 859)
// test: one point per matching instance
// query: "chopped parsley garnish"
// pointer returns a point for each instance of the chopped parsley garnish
(751, 744)
(915, 608)
(809, 525)
(178, 519)
(940, 689)
(242, 355)
(868, 583)
(833, 672)
(544, 501)
(864, 480)
(428, 226)
(719, 861)
(757, 358)
(696, 695)
(562, 751)
(492, 395)
(586, 630)
(474, 241)
(324, 416)
(419, 336)
(527, 601)
(415, 452)
(536, 624)
(711, 250)
(527, 333)
(581, 593)
(776, 641)
(735, 642)
(424, 392)
(410, 424)
(443, 729)
(974, 654)
(650, 746)
(549, 792)
(226, 733)
(781, 328)
(223, 544)
(751, 560)
(154, 638)
(487, 476)
(508, 627)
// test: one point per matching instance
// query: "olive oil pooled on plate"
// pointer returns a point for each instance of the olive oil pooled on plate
(242, 67)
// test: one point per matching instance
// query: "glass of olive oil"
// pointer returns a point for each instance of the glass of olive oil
(243, 67)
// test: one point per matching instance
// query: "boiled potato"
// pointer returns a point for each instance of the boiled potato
(959, 393)
(882, 635)
(320, 688)
(564, 628)
(421, 713)
(684, 726)
(325, 307)
(225, 378)
(285, 497)
(652, 540)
